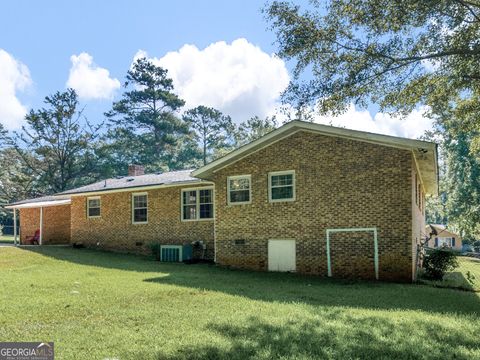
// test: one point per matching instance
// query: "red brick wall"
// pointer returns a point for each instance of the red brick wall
(56, 224)
(114, 229)
(340, 183)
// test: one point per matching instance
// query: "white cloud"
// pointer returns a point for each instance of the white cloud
(14, 76)
(412, 126)
(89, 80)
(239, 78)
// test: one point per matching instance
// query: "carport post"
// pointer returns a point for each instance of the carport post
(14, 226)
(41, 225)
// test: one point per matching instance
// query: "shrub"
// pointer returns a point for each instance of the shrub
(155, 249)
(476, 245)
(470, 278)
(438, 261)
(467, 248)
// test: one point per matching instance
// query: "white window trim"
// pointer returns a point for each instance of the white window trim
(88, 207)
(133, 208)
(275, 173)
(249, 177)
(197, 189)
(445, 240)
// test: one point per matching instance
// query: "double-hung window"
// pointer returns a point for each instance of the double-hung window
(239, 189)
(446, 241)
(281, 186)
(197, 204)
(93, 207)
(140, 208)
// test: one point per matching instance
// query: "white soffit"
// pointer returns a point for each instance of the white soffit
(40, 204)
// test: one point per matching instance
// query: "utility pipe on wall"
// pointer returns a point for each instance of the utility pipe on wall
(41, 226)
(15, 227)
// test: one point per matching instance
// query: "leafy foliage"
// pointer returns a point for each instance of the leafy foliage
(397, 54)
(459, 198)
(145, 122)
(56, 146)
(212, 129)
(476, 245)
(3, 135)
(438, 262)
(17, 182)
(462, 182)
(394, 53)
(255, 128)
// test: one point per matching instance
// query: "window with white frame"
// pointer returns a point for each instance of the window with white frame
(239, 189)
(197, 204)
(140, 208)
(93, 207)
(445, 241)
(281, 186)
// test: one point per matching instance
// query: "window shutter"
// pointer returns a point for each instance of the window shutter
(436, 242)
(453, 241)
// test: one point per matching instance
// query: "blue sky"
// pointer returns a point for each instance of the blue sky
(90, 45)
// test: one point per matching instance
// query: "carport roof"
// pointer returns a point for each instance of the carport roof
(44, 201)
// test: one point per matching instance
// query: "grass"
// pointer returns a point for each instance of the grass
(97, 305)
(6, 239)
(459, 277)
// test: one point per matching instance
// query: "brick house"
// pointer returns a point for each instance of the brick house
(309, 198)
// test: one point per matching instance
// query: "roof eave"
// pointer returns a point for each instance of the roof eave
(409, 144)
(42, 204)
(139, 188)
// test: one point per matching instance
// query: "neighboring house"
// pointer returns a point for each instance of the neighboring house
(439, 237)
(309, 198)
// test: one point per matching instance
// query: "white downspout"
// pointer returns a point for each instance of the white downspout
(41, 226)
(14, 226)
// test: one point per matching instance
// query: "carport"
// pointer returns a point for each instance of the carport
(41, 204)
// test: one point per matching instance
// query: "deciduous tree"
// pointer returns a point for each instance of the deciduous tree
(396, 53)
(57, 144)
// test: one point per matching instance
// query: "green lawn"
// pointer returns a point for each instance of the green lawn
(96, 305)
(459, 277)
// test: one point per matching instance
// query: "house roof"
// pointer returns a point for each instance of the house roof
(116, 184)
(425, 152)
(437, 226)
(439, 229)
(139, 181)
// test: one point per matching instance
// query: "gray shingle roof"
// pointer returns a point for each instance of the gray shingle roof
(125, 182)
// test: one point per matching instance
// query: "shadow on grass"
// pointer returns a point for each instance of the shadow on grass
(97, 258)
(368, 337)
(453, 280)
(279, 287)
